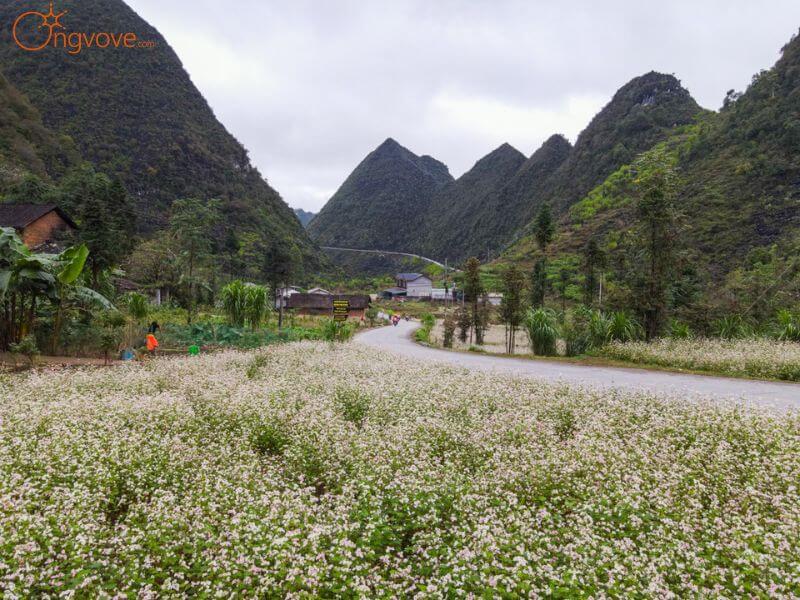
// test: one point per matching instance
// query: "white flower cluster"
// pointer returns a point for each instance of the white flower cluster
(752, 357)
(309, 469)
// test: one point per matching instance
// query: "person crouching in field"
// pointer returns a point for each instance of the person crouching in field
(152, 344)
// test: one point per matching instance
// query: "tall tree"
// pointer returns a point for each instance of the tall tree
(192, 223)
(279, 266)
(538, 283)
(473, 290)
(104, 212)
(593, 261)
(544, 229)
(657, 233)
(32, 190)
(564, 280)
(512, 306)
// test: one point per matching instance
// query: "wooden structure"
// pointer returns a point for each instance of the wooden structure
(318, 304)
(416, 285)
(37, 224)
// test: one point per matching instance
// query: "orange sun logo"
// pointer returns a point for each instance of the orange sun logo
(50, 21)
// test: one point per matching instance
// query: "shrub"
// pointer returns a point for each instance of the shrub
(353, 405)
(622, 327)
(234, 299)
(679, 330)
(449, 330)
(256, 307)
(26, 347)
(137, 306)
(423, 334)
(732, 327)
(337, 331)
(269, 438)
(245, 303)
(464, 322)
(565, 423)
(788, 326)
(540, 325)
(576, 339)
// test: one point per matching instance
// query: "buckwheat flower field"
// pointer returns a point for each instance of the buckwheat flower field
(764, 358)
(309, 470)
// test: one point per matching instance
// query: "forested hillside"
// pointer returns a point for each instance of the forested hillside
(26, 145)
(382, 204)
(739, 176)
(135, 114)
(491, 205)
(462, 216)
(735, 220)
(304, 216)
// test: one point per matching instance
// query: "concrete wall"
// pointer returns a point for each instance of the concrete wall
(419, 289)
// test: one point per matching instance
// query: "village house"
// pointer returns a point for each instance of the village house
(320, 304)
(39, 225)
(282, 295)
(319, 291)
(416, 285)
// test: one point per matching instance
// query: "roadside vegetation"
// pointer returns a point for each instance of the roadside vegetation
(638, 302)
(322, 471)
(751, 357)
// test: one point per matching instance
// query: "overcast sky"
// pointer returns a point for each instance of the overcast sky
(311, 87)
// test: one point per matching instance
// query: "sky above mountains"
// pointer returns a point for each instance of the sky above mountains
(311, 87)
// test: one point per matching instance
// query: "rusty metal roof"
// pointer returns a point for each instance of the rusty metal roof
(20, 216)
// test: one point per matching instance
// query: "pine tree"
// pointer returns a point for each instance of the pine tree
(594, 260)
(657, 236)
(191, 224)
(544, 228)
(538, 283)
(512, 307)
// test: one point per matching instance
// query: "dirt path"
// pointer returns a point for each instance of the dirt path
(780, 395)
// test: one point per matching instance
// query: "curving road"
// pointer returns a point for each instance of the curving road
(776, 394)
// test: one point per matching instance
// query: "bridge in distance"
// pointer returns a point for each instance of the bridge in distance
(391, 252)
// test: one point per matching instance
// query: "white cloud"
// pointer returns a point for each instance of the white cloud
(311, 87)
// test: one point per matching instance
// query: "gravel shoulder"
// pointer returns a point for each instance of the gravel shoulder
(776, 394)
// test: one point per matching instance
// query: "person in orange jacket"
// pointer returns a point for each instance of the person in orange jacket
(152, 343)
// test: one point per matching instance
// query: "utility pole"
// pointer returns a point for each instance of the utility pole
(602, 275)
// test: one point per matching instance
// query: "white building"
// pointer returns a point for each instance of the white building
(416, 285)
(282, 295)
(495, 298)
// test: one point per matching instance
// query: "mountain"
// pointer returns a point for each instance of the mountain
(135, 114)
(382, 204)
(738, 192)
(392, 201)
(27, 147)
(304, 216)
(518, 198)
(464, 216)
(642, 112)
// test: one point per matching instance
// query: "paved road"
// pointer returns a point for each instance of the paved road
(781, 395)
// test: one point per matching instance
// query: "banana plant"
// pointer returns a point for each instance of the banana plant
(26, 278)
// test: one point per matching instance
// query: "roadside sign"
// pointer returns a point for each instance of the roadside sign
(341, 309)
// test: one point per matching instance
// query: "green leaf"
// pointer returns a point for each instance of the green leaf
(74, 259)
(5, 278)
(89, 296)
